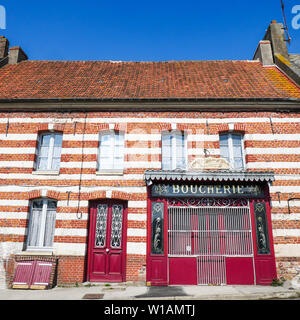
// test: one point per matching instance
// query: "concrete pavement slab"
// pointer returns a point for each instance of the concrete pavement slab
(130, 292)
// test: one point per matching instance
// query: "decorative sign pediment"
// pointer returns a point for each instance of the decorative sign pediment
(209, 163)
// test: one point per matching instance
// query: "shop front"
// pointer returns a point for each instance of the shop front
(209, 228)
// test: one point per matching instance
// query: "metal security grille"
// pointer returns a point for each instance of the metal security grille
(210, 234)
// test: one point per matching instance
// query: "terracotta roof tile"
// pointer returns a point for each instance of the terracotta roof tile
(121, 80)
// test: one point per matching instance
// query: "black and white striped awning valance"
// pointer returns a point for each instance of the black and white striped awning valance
(217, 176)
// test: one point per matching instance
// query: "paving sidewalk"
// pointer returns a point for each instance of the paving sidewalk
(132, 292)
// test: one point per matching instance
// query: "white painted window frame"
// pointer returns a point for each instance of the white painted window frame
(112, 146)
(42, 226)
(173, 134)
(51, 150)
(230, 148)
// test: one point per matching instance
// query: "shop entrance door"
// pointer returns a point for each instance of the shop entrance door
(210, 245)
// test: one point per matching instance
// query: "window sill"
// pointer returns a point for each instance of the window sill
(45, 172)
(36, 252)
(109, 173)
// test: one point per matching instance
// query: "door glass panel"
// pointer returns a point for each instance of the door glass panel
(157, 223)
(116, 226)
(261, 223)
(101, 223)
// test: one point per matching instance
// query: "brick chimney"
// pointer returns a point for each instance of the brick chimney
(16, 55)
(276, 35)
(4, 44)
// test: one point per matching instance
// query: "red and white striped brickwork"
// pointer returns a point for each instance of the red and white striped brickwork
(272, 142)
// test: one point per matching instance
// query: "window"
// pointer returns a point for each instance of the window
(173, 151)
(231, 149)
(49, 151)
(41, 224)
(111, 152)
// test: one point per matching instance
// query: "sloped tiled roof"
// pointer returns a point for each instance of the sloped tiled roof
(143, 80)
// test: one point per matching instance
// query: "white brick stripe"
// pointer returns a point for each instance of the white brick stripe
(285, 217)
(274, 151)
(285, 189)
(5, 188)
(67, 216)
(272, 137)
(136, 232)
(131, 216)
(135, 150)
(12, 202)
(136, 248)
(284, 204)
(14, 150)
(69, 232)
(286, 232)
(287, 176)
(71, 203)
(60, 248)
(154, 137)
(287, 250)
(17, 164)
(137, 217)
(71, 177)
(273, 165)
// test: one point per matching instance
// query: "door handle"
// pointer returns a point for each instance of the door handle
(107, 250)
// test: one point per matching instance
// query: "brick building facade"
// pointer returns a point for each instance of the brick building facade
(85, 146)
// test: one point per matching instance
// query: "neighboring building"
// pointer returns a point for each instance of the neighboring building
(181, 172)
(273, 49)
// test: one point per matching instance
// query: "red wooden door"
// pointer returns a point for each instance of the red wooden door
(265, 266)
(106, 261)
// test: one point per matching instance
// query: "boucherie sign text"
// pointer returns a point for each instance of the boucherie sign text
(203, 190)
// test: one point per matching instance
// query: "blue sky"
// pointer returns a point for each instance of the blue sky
(143, 30)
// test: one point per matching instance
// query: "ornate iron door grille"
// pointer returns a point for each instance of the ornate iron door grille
(209, 232)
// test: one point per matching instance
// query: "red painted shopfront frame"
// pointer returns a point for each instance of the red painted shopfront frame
(157, 264)
(265, 266)
(263, 272)
(92, 220)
